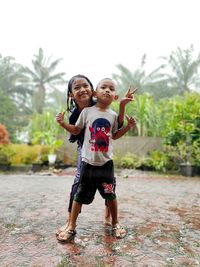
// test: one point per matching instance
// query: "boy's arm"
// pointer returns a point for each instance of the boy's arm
(131, 123)
(129, 96)
(75, 130)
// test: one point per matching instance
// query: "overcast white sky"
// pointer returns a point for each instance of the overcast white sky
(93, 36)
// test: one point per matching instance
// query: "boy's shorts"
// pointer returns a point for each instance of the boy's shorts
(93, 178)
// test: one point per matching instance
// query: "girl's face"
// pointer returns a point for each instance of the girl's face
(81, 92)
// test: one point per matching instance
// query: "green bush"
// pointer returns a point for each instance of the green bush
(25, 154)
(129, 161)
(5, 155)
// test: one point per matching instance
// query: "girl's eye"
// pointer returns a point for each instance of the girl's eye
(76, 88)
(103, 129)
(98, 128)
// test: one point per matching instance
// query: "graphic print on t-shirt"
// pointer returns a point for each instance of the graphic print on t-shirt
(100, 132)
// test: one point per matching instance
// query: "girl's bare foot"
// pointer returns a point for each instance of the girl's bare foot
(107, 221)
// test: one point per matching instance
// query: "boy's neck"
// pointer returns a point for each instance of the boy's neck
(102, 106)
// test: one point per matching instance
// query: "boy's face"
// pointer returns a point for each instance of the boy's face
(106, 91)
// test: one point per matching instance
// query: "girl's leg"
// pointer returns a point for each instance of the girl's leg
(73, 192)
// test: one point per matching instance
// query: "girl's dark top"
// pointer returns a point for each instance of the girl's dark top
(72, 120)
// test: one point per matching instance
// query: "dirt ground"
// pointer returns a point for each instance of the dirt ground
(161, 214)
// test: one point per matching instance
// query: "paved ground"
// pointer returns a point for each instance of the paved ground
(160, 213)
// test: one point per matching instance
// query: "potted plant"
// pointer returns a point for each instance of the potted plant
(187, 167)
(47, 135)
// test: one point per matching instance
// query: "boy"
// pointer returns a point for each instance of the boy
(97, 170)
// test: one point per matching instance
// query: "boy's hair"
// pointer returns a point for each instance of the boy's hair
(105, 79)
(70, 102)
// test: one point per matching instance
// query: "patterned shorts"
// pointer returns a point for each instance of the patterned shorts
(95, 178)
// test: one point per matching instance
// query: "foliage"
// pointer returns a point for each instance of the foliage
(28, 154)
(4, 135)
(159, 160)
(43, 129)
(195, 153)
(128, 161)
(146, 83)
(184, 66)
(11, 81)
(9, 115)
(6, 154)
(42, 78)
(182, 130)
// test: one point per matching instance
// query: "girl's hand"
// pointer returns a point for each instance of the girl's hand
(60, 117)
(131, 122)
(129, 96)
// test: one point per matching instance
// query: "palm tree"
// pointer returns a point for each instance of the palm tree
(149, 83)
(43, 79)
(184, 75)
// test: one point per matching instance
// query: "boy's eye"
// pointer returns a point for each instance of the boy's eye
(103, 129)
(98, 128)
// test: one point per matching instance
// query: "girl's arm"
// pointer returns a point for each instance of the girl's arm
(129, 96)
(67, 126)
(131, 122)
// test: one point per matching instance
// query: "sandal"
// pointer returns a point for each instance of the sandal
(68, 236)
(118, 231)
(61, 229)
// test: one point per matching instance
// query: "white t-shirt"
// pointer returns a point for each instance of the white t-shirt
(99, 127)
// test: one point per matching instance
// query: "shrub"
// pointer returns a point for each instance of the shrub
(25, 154)
(5, 155)
(129, 161)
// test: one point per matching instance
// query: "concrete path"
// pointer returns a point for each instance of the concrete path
(161, 214)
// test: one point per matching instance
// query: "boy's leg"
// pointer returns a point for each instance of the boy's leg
(107, 216)
(70, 232)
(118, 230)
(112, 205)
(106, 189)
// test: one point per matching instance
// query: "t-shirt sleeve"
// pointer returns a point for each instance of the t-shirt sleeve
(81, 119)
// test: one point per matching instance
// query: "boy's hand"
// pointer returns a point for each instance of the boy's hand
(131, 122)
(60, 117)
(129, 96)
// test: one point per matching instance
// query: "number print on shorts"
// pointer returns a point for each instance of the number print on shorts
(108, 188)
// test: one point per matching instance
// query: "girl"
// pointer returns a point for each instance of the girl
(79, 96)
